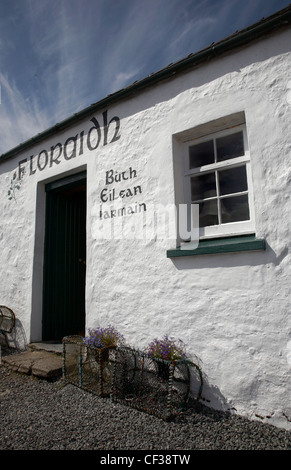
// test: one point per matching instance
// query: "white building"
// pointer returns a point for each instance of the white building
(89, 234)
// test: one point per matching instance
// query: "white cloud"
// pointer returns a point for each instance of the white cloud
(20, 118)
(123, 79)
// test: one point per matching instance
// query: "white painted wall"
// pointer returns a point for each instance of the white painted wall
(231, 310)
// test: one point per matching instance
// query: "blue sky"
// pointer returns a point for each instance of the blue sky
(59, 56)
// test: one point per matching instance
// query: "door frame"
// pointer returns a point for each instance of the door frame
(36, 294)
(63, 310)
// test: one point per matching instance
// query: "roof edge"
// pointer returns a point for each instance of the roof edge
(240, 38)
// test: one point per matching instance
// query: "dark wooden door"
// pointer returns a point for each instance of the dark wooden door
(65, 259)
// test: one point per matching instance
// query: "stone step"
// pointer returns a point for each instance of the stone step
(41, 363)
(47, 346)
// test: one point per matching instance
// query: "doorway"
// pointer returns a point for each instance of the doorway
(64, 259)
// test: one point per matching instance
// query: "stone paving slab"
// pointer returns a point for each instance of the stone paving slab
(47, 346)
(41, 364)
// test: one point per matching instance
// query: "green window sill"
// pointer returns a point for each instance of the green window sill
(221, 245)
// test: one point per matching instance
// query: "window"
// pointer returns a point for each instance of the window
(217, 177)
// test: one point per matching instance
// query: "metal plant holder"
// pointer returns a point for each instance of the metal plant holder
(87, 367)
(152, 385)
(131, 377)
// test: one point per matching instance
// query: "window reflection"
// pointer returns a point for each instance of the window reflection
(203, 186)
(208, 213)
(201, 154)
(233, 180)
(234, 209)
(230, 146)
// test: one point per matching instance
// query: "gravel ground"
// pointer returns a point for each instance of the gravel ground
(40, 415)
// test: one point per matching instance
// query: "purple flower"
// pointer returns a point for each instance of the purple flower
(167, 348)
(103, 337)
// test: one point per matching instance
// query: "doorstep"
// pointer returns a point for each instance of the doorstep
(39, 361)
(49, 346)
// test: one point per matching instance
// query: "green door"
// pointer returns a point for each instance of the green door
(65, 259)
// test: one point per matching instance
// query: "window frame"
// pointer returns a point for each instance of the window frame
(222, 229)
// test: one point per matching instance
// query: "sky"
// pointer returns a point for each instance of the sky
(59, 56)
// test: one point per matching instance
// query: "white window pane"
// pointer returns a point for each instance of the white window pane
(234, 209)
(203, 186)
(201, 154)
(230, 146)
(233, 180)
